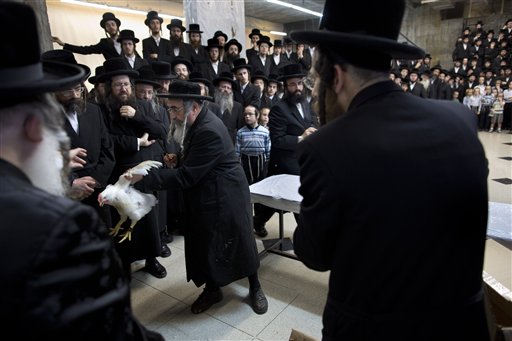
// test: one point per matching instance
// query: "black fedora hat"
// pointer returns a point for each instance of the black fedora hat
(273, 78)
(97, 72)
(278, 43)
(258, 74)
(233, 42)
(287, 41)
(21, 71)
(360, 32)
(198, 77)
(241, 63)
(211, 43)
(109, 16)
(194, 28)
(265, 39)
(116, 67)
(181, 60)
(147, 76)
(226, 77)
(254, 32)
(291, 70)
(220, 34)
(185, 90)
(176, 23)
(163, 70)
(152, 15)
(65, 56)
(127, 35)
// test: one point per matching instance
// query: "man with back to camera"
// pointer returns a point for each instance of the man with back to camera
(394, 199)
(62, 279)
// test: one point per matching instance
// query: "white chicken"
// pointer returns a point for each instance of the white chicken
(128, 201)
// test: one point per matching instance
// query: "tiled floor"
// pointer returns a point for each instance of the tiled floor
(296, 294)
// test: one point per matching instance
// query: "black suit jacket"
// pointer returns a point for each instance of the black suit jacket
(418, 90)
(305, 61)
(250, 96)
(286, 125)
(361, 197)
(93, 136)
(149, 47)
(233, 120)
(257, 65)
(209, 73)
(104, 47)
(184, 52)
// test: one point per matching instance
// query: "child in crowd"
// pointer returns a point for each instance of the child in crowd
(497, 113)
(263, 120)
(473, 101)
(252, 146)
(455, 96)
(486, 102)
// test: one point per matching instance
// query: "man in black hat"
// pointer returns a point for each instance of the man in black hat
(182, 67)
(232, 51)
(291, 121)
(276, 60)
(219, 245)
(222, 38)
(213, 67)
(97, 94)
(245, 93)
(85, 127)
(109, 47)
(261, 81)
(163, 74)
(128, 50)
(177, 48)
(231, 112)
(255, 35)
(288, 50)
(154, 46)
(302, 56)
(415, 86)
(391, 252)
(198, 53)
(62, 278)
(273, 89)
(134, 130)
(262, 61)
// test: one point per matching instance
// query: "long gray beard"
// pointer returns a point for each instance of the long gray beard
(224, 101)
(176, 132)
(47, 168)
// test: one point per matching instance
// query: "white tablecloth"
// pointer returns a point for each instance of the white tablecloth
(278, 191)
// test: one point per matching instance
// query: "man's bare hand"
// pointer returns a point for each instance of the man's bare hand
(127, 111)
(170, 160)
(144, 140)
(57, 40)
(76, 158)
(308, 132)
(82, 188)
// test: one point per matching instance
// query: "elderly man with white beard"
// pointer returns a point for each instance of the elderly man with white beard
(134, 129)
(232, 111)
(62, 278)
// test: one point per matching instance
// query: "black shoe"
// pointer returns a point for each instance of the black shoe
(259, 302)
(153, 267)
(167, 238)
(165, 251)
(205, 300)
(260, 231)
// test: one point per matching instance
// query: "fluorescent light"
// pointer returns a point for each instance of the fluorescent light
(428, 1)
(277, 33)
(116, 9)
(298, 8)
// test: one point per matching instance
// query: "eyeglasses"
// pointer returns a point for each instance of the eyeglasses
(72, 92)
(174, 109)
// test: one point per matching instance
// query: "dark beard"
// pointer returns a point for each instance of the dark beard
(74, 105)
(175, 42)
(114, 103)
(230, 58)
(295, 97)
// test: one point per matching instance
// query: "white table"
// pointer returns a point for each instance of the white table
(280, 192)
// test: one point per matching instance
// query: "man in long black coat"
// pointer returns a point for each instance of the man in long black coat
(393, 212)
(155, 46)
(219, 244)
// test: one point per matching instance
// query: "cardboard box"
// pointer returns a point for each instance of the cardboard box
(497, 276)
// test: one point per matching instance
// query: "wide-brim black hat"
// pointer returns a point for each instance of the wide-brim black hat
(240, 63)
(109, 16)
(181, 60)
(198, 77)
(163, 70)
(226, 77)
(254, 32)
(65, 56)
(21, 70)
(116, 67)
(369, 28)
(220, 34)
(127, 35)
(152, 15)
(176, 23)
(194, 28)
(291, 70)
(185, 90)
(147, 76)
(233, 42)
(266, 40)
(97, 72)
(259, 75)
(211, 43)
